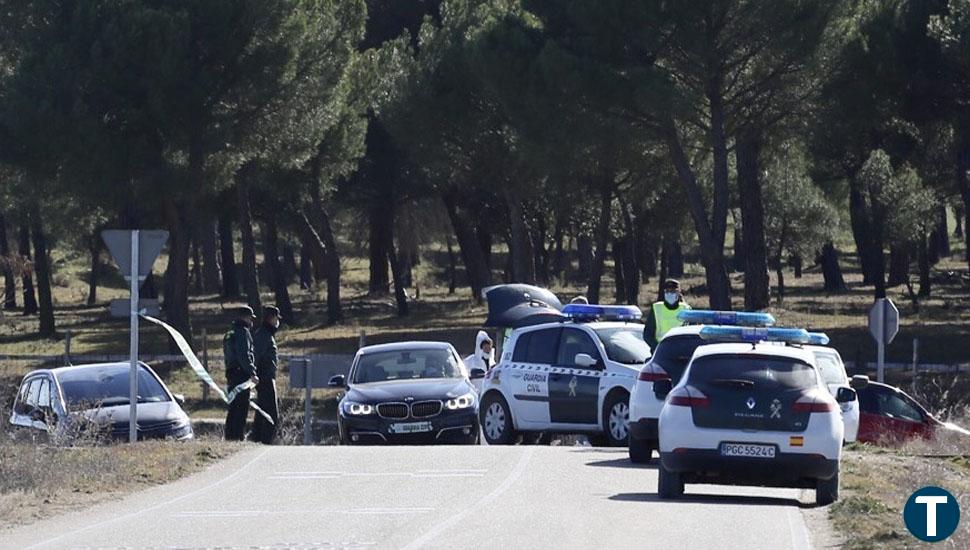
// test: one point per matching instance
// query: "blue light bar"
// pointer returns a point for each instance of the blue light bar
(736, 318)
(595, 311)
(758, 334)
(818, 338)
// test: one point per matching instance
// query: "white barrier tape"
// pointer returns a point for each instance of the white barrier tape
(200, 371)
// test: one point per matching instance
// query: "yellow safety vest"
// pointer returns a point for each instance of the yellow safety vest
(666, 318)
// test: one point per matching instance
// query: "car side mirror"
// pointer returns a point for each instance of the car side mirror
(584, 360)
(38, 415)
(845, 395)
(477, 374)
(179, 398)
(859, 381)
(338, 381)
(662, 387)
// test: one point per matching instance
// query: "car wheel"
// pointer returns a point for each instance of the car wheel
(827, 490)
(496, 419)
(641, 450)
(670, 485)
(616, 416)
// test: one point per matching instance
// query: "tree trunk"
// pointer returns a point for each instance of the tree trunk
(756, 284)
(9, 281)
(675, 258)
(94, 247)
(177, 276)
(476, 268)
(523, 258)
(924, 266)
(861, 234)
(959, 218)
(602, 240)
(630, 260)
(962, 165)
(797, 263)
(196, 274)
(484, 236)
(306, 267)
(331, 258)
(559, 255)
(738, 261)
(312, 240)
(878, 266)
(452, 266)
(250, 276)
(277, 277)
(619, 295)
(378, 283)
(831, 271)
(30, 300)
(230, 276)
(584, 253)
(899, 264)
(206, 237)
(43, 268)
(290, 268)
(779, 266)
(710, 234)
(397, 274)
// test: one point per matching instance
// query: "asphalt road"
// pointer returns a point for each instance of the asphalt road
(430, 497)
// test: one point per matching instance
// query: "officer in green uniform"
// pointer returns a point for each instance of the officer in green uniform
(663, 315)
(264, 348)
(237, 347)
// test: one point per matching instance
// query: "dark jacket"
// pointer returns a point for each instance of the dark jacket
(265, 351)
(237, 346)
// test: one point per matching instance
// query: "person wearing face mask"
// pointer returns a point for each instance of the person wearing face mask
(663, 315)
(265, 352)
(237, 346)
(482, 358)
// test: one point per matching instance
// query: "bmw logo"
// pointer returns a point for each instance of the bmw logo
(751, 403)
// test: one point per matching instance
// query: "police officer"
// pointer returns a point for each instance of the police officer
(265, 351)
(237, 347)
(663, 315)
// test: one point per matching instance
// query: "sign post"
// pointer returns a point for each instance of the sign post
(883, 325)
(134, 252)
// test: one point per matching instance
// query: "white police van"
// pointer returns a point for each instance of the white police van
(751, 412)
(572, 376)
(668, 361)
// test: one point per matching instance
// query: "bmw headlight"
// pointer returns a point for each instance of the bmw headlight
(462, 402)
(357, 409)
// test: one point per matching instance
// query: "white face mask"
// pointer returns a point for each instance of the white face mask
(276, 323)
(671, 297)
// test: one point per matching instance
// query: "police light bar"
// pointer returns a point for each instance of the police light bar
(595, 311)
(763, 334)
(736, 318)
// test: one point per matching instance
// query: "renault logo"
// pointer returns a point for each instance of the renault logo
(751, 403)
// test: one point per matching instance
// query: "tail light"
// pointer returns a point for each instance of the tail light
(810, 404)
(689, 397)
(652, 373)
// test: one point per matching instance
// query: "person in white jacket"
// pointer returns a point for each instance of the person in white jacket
(484, 356)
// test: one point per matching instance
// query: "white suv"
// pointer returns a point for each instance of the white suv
(566, 377)
(751, 414)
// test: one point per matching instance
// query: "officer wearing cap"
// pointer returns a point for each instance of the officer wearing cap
(663, 314)
(265, 351)
(237, 347)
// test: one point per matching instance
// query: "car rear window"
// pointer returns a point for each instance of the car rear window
(624, 344)
(830, 367)
(781, 373)
(674, 352)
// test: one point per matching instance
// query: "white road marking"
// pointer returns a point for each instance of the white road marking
(258, 513)
(421, 474)
(155, 507)
(482, 503)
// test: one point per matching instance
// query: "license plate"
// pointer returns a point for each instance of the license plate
(410, 427)
(747, 450)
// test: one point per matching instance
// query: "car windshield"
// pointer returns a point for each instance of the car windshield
(831, 368)
(107, 386)
(410, 364)
(768, 372)
(624, 344)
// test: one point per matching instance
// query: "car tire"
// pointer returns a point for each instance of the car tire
(827, 490)
(496, 420)
(670, 485)
(616, 418)
(641, 450)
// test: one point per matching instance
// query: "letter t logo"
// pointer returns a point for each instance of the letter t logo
(931, 502)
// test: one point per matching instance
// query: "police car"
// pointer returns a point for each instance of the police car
(749, 412)
(572, 376)
(668, 362)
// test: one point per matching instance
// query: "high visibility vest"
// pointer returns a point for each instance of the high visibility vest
(666, 318)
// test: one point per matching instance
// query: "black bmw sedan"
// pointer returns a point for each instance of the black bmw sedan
(408, 393)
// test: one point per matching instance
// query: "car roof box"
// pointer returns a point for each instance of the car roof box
(518, 305)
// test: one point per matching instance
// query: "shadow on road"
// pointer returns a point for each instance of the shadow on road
(689, 498)
(621, 463)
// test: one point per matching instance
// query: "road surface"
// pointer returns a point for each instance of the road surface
(429, 497)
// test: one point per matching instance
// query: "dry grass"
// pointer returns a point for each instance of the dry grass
(38, 481)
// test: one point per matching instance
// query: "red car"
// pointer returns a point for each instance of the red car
(888, 416)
